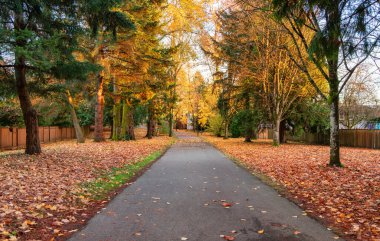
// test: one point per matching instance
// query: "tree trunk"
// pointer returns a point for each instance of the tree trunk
(150, 126)
(131, 125)
(194, 122)
(155, 128)
(33, 145)
(99, 109)
(116, 135)
(333, 45)
(110, 136)
(124, 121)
(249, 134)
(247, 138)
(149, 134)
(225, 130)
(282, 131)
(248, 125)
(334, 134)
(276, 132)
(77, 128)
(171, 123)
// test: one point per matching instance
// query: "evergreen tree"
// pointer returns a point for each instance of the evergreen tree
(105, 19)
(37, 40)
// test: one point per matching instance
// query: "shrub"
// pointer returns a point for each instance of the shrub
(216, 125)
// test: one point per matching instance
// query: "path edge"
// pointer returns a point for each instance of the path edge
(97, 206)
(280, 189)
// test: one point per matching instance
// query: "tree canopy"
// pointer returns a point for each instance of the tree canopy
(231, 67)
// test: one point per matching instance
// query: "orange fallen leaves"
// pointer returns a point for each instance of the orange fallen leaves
(40, 194)
(347, 199)
(227, 237)
(226, 204)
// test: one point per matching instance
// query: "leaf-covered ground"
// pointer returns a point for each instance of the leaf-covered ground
(345, 199)
(43, 197)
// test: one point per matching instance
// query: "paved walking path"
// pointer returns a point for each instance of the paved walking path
(181, 198)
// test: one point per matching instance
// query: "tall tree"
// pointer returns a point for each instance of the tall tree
(344, 33)
(105, 19)
(182, 19)
(78, 130)
(37, 40)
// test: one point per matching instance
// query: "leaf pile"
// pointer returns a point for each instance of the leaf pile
(41, 194)
(346, 199)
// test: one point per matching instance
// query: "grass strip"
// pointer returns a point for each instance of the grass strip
(117, 177)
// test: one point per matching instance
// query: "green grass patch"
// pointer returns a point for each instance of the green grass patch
(110, 181)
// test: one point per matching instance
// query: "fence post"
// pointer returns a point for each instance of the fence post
(17, 138)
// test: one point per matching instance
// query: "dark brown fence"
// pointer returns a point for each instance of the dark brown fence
(319, 139)
(350, 138)
(360, 138)
(13, 138)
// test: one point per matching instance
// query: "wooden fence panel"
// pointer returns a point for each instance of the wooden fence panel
(21, 137)
(68, 133)
(64, 133)
(6, 138)
(265, 134)
(349, 138)
(41, 133)
(53, 133)
(11, 138)
(45, 135)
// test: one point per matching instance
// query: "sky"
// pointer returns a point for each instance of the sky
(201, 63)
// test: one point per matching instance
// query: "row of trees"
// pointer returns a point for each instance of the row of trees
(129, 60)
(123, 57)
(273, 57)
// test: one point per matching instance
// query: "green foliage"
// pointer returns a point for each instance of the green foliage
(7, 84)
(48, 48)
(164, 128)
(53, 114)
(236, 129)
(244, 121)
(74, 70)
(140, 114)
(86, 113)
(310, 116)
(10, 114)
(216, 125)
(101, 15)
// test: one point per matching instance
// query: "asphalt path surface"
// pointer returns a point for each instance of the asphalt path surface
(194, 192)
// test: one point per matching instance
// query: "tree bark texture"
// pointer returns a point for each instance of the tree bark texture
(333, 46)
(276, 132)
(33, 145)
(99, 109)
(78, 130)
(283, 131)
(116, 134)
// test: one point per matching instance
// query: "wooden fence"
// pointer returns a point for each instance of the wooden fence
(265, 134)
(360, 138)
(349, 138)
(13, 138)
